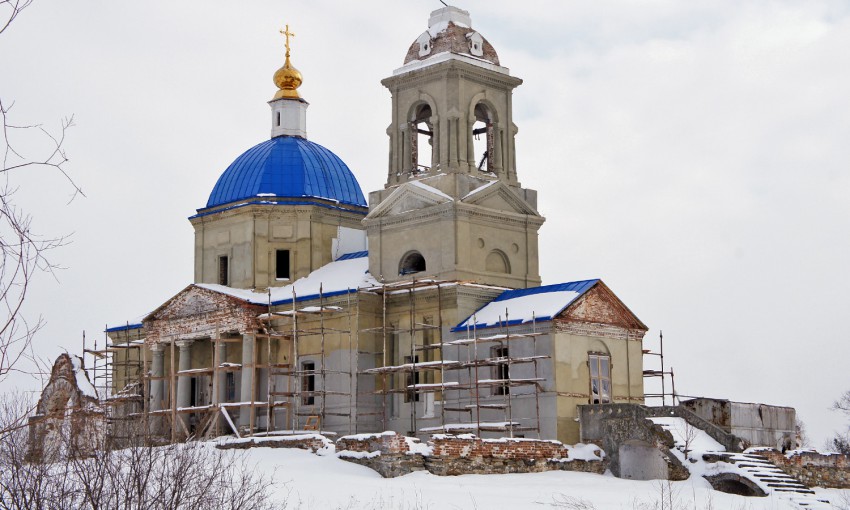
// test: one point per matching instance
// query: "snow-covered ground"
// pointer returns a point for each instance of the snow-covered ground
(310, 481)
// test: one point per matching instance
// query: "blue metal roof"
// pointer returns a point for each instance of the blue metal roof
(287, 166)
(354, 255)
(125, 327)
(580, 287)
(529, 310)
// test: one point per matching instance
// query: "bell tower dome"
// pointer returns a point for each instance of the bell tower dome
(452, 201)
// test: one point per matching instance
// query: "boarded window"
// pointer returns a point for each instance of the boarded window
(600, 378)
(281, 265)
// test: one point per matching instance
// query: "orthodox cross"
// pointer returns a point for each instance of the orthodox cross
(286, 33)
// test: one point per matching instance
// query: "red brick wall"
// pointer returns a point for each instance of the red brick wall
(518, 449)
(385, 442)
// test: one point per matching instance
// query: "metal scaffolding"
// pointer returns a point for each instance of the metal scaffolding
(283, 339)
(465, 404)
(305, 358)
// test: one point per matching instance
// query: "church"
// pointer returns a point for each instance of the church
(420, 310)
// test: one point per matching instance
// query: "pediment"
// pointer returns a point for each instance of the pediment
(193, 301)
(410, 196)
(197, 312)
(600, 306)
(498, 196)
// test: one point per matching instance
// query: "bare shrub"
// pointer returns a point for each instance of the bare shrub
(571, 502)
(192, 476)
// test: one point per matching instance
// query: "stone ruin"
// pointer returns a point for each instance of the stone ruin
(68, 420)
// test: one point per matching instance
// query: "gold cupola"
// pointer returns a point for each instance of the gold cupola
(287, 78)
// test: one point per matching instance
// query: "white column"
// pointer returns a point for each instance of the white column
(221, 357)
(245, 394)
(184, 382)
(157, 372)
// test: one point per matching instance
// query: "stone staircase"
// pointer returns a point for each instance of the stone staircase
(731, 471)
(771, 479)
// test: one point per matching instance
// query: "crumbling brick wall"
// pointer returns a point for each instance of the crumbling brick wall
(464, 454)
(68, 419)
(388, 453)
(506, 448)
(388, 443)
(812, 468)
(392, 455)
(309, 442)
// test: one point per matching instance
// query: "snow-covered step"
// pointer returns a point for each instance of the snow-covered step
(748, 465)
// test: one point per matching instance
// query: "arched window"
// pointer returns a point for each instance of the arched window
(411, 263)
(600, 377)
(483, 145)
(421, 139)
(497, 262)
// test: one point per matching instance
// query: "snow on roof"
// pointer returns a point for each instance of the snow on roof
(347, 273)
(432, 189)
(479, 189)
(525, 305)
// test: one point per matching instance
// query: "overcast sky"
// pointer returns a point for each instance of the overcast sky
(695, 155)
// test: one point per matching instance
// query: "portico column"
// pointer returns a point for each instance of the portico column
(184, 383)
(221, 357)
(157, 373)
(246, 395)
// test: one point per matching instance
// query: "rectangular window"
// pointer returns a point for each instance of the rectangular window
(502, 370)
(222, 270)
(600, 378)
(230, 387)
(412, 379)
(281, 266)
(193, 391)
(308, 383)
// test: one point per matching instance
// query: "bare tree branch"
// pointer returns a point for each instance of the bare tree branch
(843, 403)
(23, 252)
(10, 10)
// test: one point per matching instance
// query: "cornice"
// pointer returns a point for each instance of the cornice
(451, 69)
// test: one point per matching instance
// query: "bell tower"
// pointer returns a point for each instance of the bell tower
(452, 207)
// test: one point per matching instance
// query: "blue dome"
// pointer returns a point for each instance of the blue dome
(290, 167)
